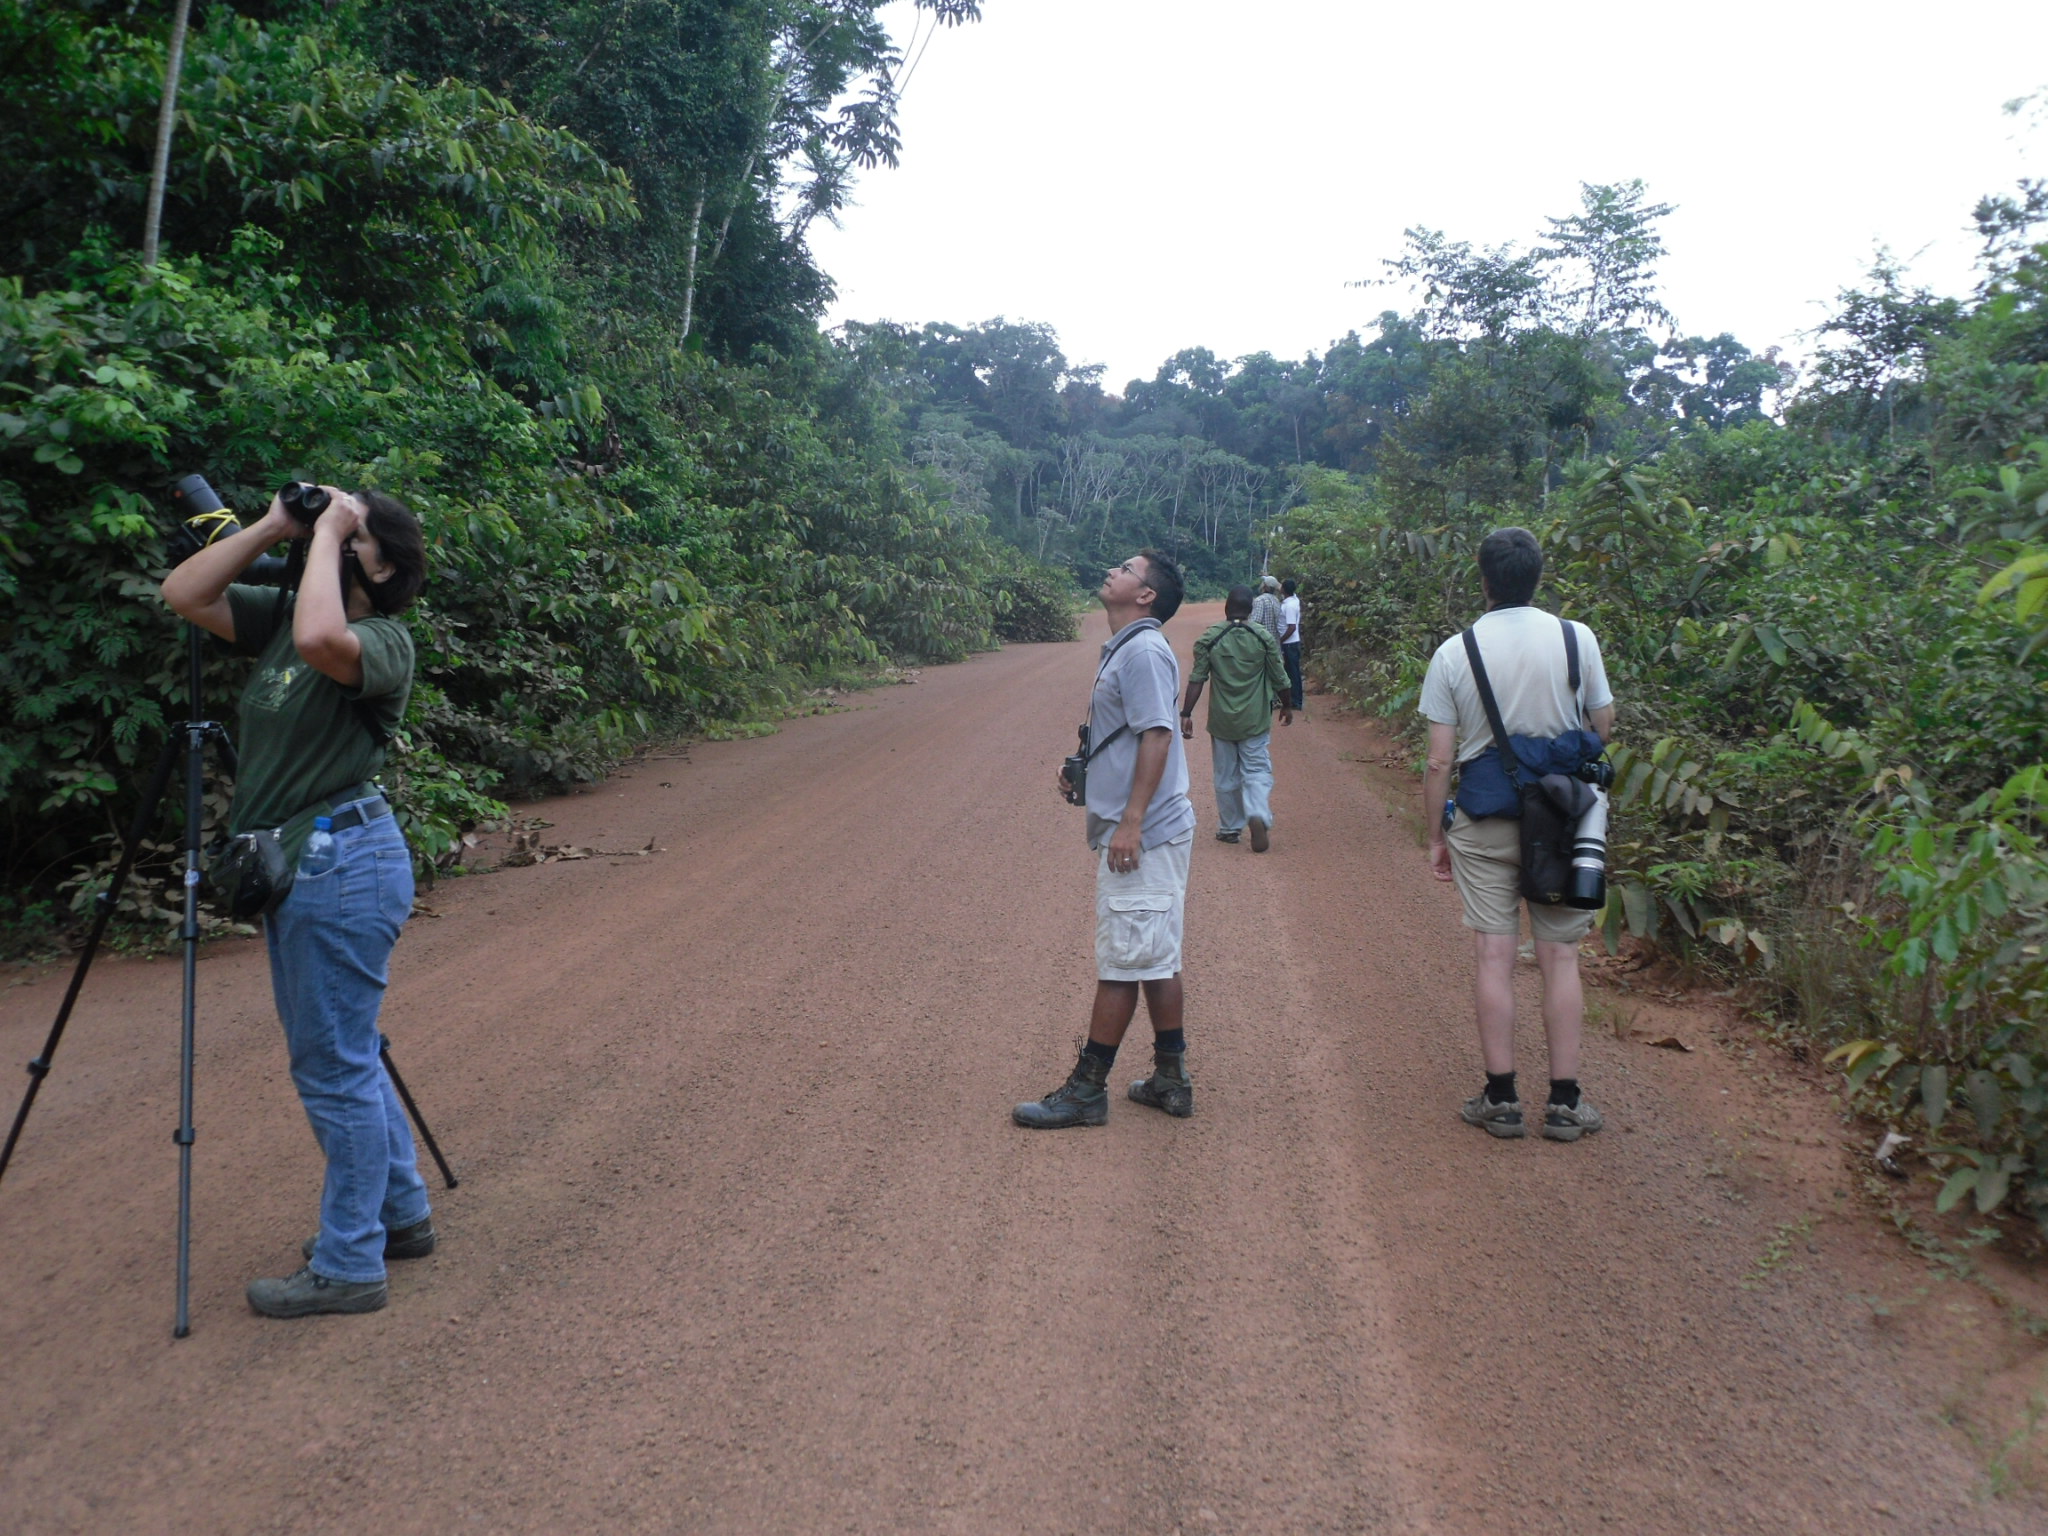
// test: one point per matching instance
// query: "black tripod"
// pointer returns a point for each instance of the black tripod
(197, 733)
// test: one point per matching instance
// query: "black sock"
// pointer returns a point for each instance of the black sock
(1565, 1091)
(1096, 1050)
(1500, 1087)
(1172, 1041)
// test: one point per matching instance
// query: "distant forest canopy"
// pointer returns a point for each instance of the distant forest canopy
(1513, 364)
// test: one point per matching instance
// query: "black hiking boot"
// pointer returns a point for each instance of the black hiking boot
(1169, 1087)
(1083, 1099)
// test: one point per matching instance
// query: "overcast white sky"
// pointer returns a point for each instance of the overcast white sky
(1148, 175)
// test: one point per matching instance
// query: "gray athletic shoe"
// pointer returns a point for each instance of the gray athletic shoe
(1502, 1120)
(1261, 838)
(305, 1293)
(1562, 1124)
(1169, 1087)
(413, 1242)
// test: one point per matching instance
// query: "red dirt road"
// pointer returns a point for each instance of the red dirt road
(746, 1242)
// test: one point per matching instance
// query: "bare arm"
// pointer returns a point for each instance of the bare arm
(1187, 709)
(1436, 789)
(197, 589)
(1602, 720)
(1151, 768)
(320, 620)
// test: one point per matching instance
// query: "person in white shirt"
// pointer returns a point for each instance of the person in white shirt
(1290, 639)
(1524, 654)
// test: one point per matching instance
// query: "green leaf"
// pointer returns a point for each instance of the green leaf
(1942, 940)
(1773, 644)
(1987, 1100)
(1959, 1181)
(1934, 1095)
(1992, 1184)
(1636, 902)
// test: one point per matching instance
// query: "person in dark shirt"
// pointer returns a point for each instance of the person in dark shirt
(333, 672)
(1243, 660)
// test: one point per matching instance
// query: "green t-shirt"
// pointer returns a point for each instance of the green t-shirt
(1246, 676)
(302, 739)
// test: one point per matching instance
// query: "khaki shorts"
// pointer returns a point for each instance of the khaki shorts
(1138, 915)
(1486, 862)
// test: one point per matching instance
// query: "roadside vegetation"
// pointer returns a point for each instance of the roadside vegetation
(539, 270)
(1824, 622)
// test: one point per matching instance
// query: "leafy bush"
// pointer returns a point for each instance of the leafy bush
(1965, 938)
(1035, 604)
(367, 285)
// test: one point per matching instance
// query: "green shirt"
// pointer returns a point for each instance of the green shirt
(1246, 677)
(302, 739)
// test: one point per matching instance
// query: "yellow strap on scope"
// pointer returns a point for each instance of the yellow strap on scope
(209, 527)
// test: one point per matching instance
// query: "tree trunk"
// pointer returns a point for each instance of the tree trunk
(690, 262)
(174, 66)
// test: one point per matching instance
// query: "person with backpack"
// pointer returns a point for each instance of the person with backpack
(1543, 679)
(1251, 682)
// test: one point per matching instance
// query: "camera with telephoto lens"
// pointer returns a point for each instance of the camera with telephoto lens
(1599, 773)
(1075, 767)
(1587, 887)
(302, 502)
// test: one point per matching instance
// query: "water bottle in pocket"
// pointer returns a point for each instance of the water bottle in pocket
(322, 852)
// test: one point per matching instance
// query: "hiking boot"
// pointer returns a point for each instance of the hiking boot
(1569, 1123)
(413, 1242)
(1261, 837)
(305, 1293)
(1227, 837)
(1083, 1099)
(1502, 1120)
(1169, 1087)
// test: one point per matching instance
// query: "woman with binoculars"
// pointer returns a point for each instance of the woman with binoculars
(334, 668)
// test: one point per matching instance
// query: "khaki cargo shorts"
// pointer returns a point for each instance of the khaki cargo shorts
(1138, 915)
(1486, 863)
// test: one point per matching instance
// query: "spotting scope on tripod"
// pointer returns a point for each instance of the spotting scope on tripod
(204, 519)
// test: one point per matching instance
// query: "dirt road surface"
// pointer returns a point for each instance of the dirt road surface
(746, 1242)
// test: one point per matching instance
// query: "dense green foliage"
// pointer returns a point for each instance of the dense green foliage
(442, 290)
(1832, 718)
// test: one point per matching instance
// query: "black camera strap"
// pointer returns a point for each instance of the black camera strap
(1508, 760)
(1130, 633)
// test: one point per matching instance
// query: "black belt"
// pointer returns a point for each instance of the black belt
(355, 815)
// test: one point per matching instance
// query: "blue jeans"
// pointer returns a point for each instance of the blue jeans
(330, 950)
(1291, 655)
(1244, 780)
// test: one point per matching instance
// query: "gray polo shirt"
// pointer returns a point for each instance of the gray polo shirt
(1139, 685)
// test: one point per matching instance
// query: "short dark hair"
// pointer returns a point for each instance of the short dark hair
(1163, 577)
(1237, 600)
(1512, 562)
(397, 532)
(1287, 586)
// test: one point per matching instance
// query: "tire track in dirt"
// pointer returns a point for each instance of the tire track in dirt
(746, 1242)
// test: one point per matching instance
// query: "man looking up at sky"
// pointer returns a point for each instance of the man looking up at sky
(1524, 653)
(1251, 682)
(1141, 825)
